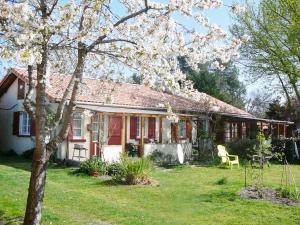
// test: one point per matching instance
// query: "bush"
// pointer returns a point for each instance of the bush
(131, 149)
(289, 193)
(244, 148)
(116, 171)
(131, 170)
(10, 153)
(283, 148)
(136, 170)
(91, 166)
(28, 154)
(161, 159)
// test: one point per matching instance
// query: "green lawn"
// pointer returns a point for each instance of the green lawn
(186, 195)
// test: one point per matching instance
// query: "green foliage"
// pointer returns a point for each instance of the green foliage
(28, 154)
(244, 148)
(10, 153)
(279, 111)
(131, 150)
(288, 192)
(223, 85)
(133, 170)
(263, 146)
(92, 165)
(161, 159)
(283, 148)
(116, 171)
(222, 181)
(272, 51)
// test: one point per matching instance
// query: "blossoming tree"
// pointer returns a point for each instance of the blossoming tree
(106, 37)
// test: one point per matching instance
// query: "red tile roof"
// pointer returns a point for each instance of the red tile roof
(95, 91)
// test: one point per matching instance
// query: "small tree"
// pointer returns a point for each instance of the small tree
(272, 51)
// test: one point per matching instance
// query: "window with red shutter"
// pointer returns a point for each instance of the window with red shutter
(16, 122)
(133, 127)
(151, 128)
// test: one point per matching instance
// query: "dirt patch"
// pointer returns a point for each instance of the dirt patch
(267, 194)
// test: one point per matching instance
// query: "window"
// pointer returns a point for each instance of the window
(77, 126)
(230, 131)
(244, 130)
(95, 125)
(24, 124)
(182, 129)
(138, 127)
(21, 89)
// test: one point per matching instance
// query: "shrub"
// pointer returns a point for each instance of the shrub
(136, 170)
(131, 149)
(132, 170)
(289, 193)
(244, 148)
(91, 166)
(10, 153)
(28, 154)
(157, 157)
(283, 148)
(161, 159)
(116, 171)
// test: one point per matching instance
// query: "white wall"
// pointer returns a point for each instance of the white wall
(166, 132)
(112, 153)
(9, 141)
(170, 149)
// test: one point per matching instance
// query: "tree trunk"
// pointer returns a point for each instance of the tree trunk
(33, 212)
(285, 91)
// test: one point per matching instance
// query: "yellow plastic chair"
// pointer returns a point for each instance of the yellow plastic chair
(226, 158)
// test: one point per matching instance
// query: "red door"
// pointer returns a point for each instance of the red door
(115, 130)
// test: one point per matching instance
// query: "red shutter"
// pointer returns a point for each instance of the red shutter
(151, 128)
(114, 130)
(133, 128)
(32, 127)
(189, 130)
(16, 122)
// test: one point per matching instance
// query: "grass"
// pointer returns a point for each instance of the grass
(186, 195)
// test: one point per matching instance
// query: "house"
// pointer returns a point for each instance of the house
(110, 115)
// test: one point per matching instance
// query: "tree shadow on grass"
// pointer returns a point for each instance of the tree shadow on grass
(16, 162)
(15, 220)
(19, 162)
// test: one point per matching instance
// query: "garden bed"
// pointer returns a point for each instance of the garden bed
(267, 194)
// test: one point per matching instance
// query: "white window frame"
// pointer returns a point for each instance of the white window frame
(138, 127)
(77, 128)
(24, 121)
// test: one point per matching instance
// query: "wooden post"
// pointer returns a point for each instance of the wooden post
(160, 129)
(284, 130)
(278, 130)
(100, 134)
(261, 126)
(239, 130)
(142, 136)
(123, 138)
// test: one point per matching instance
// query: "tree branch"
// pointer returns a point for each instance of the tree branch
(28, 103)
(100, 39)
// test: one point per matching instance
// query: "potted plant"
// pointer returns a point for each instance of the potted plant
(93, 167)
